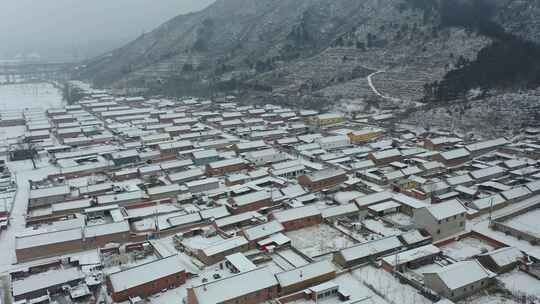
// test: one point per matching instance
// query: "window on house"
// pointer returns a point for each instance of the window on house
(461, 224)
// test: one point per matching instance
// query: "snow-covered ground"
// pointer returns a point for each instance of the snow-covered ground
(519, 282)
(466, 248)
(317, 240)
(380, 227)
(32, 95)
(389, 286)
(482, 298)
(23, 171)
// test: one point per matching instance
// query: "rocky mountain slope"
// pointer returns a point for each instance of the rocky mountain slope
(318, 52)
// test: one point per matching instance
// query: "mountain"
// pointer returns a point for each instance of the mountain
(317, 52)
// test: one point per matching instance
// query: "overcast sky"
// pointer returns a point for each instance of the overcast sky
(85, 28)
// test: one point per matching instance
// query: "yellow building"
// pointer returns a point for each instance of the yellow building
(326, 119)
(406, 184)
(364, 135)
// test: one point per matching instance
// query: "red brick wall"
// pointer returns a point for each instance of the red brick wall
(149, 288)
(303, 222)
(226, 169)
(319, 185)
(251, 207)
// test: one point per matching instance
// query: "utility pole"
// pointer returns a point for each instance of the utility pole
(490, 211)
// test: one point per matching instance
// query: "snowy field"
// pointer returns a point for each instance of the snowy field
(34, 95)
(466, 248)
(519, 282)
(380, 227)
(483, 298)
(318, 240)
(399, 218)
(389, 286)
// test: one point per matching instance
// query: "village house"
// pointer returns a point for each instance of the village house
(364, 135)
(365, 252)
(333, 142)
(453, 158)
(251, 287)
(146, 279)
(305, 276)
(38, 285)
(218, 251)
(501, 260)
(204, 157)
(441, 143)
(483, 147)
(412, 258)
(202, 185)
(226, 166)
(327, 119)
(385, 157)
(48, 196)
(249, 202)
(262, 231)
(441, 220)
(297, 218)
(263, 157)
(322, 179)
(459, 280)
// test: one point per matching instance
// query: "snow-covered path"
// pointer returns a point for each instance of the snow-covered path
(23, 171)
(373, 88)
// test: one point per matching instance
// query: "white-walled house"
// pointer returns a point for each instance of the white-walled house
(459, 280)
(441, 220)
(265, 156)
(333, 142)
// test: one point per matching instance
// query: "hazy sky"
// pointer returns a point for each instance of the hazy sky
(85, 28)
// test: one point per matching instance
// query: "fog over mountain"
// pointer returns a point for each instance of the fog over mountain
(79, 29)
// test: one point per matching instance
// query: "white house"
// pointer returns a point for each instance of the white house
(265, 156)
(333, 142)
(459, 280)
(441, 220)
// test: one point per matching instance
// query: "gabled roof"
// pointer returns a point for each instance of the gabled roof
(252, 197)
(225, 245)
(235, 286)
(304, 273)
(504, 256)
(386, 154)
(454, 154)
(462, 274)
(263, 230)
(148, 272)
(487, 202)
(295, 213)
(412, 255)
(376, 247)
(481, 173)
(339, 210)
(446, 209)
(486, 144)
